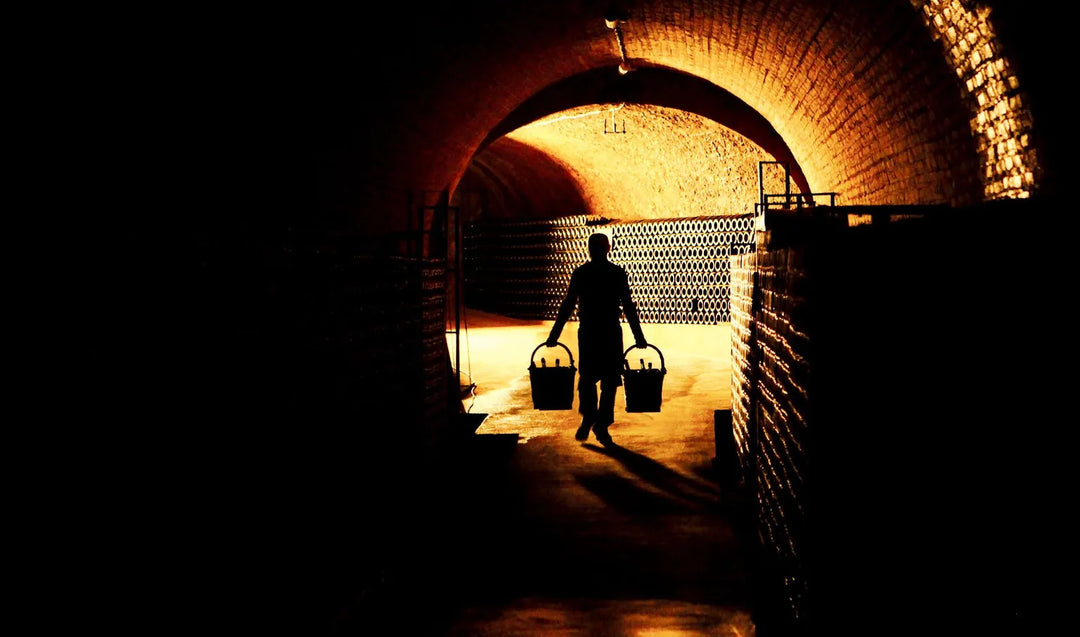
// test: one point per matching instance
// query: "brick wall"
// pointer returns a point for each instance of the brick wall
(881, 426)
(390, 337)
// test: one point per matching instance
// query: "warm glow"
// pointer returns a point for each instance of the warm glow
(668, 163)
(495, 356)
(1002, 124)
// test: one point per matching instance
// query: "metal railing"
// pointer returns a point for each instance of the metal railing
(794, 201)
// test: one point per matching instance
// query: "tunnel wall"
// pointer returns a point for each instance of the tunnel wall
(880, 425)
(391, 342)
(743, 360)
(348, 347)
(678, 267)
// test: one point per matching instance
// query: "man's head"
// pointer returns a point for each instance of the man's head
(599, 245)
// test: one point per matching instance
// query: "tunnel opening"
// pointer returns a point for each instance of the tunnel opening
(674, 190)
(282, 345)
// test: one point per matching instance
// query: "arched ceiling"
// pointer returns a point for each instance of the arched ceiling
(657, 87)
(881, 101)
(515, 181)
(625, 161)
(694, 149)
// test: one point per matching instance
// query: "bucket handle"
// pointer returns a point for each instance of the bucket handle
(532, 359)
(663, 367)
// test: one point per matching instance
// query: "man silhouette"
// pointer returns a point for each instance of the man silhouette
(600, 290)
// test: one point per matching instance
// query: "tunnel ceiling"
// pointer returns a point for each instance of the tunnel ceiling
(619, 161)
(881, 101)
(680, 158)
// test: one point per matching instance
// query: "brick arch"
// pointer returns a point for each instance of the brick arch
(519, 183)
(863, 93)
(654, 86)
(623, 162)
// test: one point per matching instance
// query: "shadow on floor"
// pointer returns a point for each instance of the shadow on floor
(690, 493)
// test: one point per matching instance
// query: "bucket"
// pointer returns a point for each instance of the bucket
(643, 387)
(552, 387)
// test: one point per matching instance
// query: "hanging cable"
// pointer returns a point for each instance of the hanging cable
(613, 19)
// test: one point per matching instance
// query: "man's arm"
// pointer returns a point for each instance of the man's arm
(566, 308)
(630, 311)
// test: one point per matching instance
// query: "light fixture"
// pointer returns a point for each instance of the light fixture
(614, 15)
(613, 19)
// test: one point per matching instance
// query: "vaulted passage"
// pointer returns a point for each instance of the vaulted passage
(840, 220)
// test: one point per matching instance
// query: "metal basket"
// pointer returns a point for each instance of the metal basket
(644, 387)
(552, 387)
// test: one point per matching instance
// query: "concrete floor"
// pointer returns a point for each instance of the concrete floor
(539, 534)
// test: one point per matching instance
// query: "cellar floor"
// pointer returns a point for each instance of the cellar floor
(551, 536)
(524, 531)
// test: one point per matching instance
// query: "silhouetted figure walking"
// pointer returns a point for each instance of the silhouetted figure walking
(600, 290)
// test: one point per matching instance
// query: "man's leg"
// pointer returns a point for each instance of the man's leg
(605, 413)
(586, 406)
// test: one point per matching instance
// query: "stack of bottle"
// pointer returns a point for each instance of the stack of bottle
(521, 269)
(678, 268)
